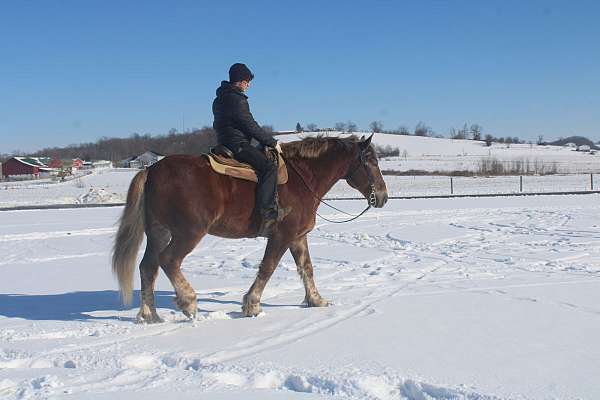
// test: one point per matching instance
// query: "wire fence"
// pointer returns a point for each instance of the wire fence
(407, 186)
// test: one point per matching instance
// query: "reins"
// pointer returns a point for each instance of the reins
(371, 200)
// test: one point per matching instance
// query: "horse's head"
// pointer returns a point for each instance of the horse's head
(365, 176)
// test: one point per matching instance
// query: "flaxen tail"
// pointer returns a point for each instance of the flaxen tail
(130, 236)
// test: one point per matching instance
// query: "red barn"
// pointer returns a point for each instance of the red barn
(24, 166)
(77, 163)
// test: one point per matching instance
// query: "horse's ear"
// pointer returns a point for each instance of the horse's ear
(365, 143)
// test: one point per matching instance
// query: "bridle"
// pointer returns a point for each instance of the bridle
(372, 199)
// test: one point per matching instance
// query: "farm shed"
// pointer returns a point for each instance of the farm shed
(26, 166)
(143, 160)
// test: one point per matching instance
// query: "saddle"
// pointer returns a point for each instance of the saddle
(222, 162)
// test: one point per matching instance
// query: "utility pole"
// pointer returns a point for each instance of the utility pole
(183, 123)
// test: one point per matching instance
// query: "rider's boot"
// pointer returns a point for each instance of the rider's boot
(270, 218)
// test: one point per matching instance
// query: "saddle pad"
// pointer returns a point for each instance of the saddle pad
(231, 167)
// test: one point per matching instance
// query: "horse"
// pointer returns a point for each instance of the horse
(180, 199)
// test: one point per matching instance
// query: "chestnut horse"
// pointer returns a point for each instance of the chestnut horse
(180, 199)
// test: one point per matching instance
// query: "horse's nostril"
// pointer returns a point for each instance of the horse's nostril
(384, 199)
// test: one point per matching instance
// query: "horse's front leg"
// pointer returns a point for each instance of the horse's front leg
(299, 249)
(273, 253)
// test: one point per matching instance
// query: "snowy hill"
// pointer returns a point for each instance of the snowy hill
(446, 155)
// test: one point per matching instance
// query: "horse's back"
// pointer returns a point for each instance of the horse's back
(185, 188)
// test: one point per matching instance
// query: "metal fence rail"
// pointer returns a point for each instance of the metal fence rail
(448, 196)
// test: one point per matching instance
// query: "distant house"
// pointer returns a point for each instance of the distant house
(27, 167)
(77, 163)
(144, 160)
(87, 165)
(126, 163)
(102, 164)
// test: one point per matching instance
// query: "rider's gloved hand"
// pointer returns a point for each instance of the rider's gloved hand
(278, 148)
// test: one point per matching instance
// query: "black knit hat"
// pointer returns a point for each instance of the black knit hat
(239, 72)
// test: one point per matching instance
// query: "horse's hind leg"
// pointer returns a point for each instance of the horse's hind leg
(158, 239)
(170, 260)
(273, 253)
(299, 250)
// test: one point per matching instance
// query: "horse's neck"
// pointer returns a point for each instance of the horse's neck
(323, 172)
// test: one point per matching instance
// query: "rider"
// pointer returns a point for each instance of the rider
(236, 127)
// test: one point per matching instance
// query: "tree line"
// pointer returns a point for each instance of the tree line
(201, 140)
(467, 132)
(115, 149)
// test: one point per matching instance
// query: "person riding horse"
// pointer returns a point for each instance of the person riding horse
(236, 127)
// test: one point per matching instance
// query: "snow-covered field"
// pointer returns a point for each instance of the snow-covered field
(110, 186)
(433, 299)
(433, 154)
(102, 186)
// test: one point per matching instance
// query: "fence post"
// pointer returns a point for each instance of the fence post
(591, 181)
(451, 186)
(521, 183)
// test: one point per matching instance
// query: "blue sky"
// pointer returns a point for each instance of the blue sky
(74, 71)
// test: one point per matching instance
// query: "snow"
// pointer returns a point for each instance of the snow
(101, 186)
(110, 186)
(432, 299)
(438, 154)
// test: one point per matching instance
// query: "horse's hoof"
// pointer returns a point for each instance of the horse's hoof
(251, 310)
(147, 316)
(191, 314)
(188, 306)
(317, 302)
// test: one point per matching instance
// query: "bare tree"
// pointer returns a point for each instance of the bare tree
(376, 126)
(311, 127)
(422, 130)
(488, 140)
(351, 127)
(540, 139)
(476, 131)
(340, 126)
(463, 132)
(403, 130)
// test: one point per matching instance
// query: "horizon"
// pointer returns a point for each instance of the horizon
(324, 130)
(80, 72)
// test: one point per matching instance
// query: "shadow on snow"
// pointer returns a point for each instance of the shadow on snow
(73, 306)
(78, 306)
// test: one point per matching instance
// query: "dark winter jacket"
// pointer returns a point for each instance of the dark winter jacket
(233, 122)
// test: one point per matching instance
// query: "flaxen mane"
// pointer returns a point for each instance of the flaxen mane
(315, 146)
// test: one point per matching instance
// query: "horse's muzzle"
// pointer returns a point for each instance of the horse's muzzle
(381, 197)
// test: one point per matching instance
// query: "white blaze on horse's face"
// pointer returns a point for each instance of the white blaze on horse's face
(365, 176)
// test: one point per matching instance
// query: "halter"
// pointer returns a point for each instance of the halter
(363, 163)
(372, 200)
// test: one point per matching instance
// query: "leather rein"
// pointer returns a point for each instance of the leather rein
(371, 199)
